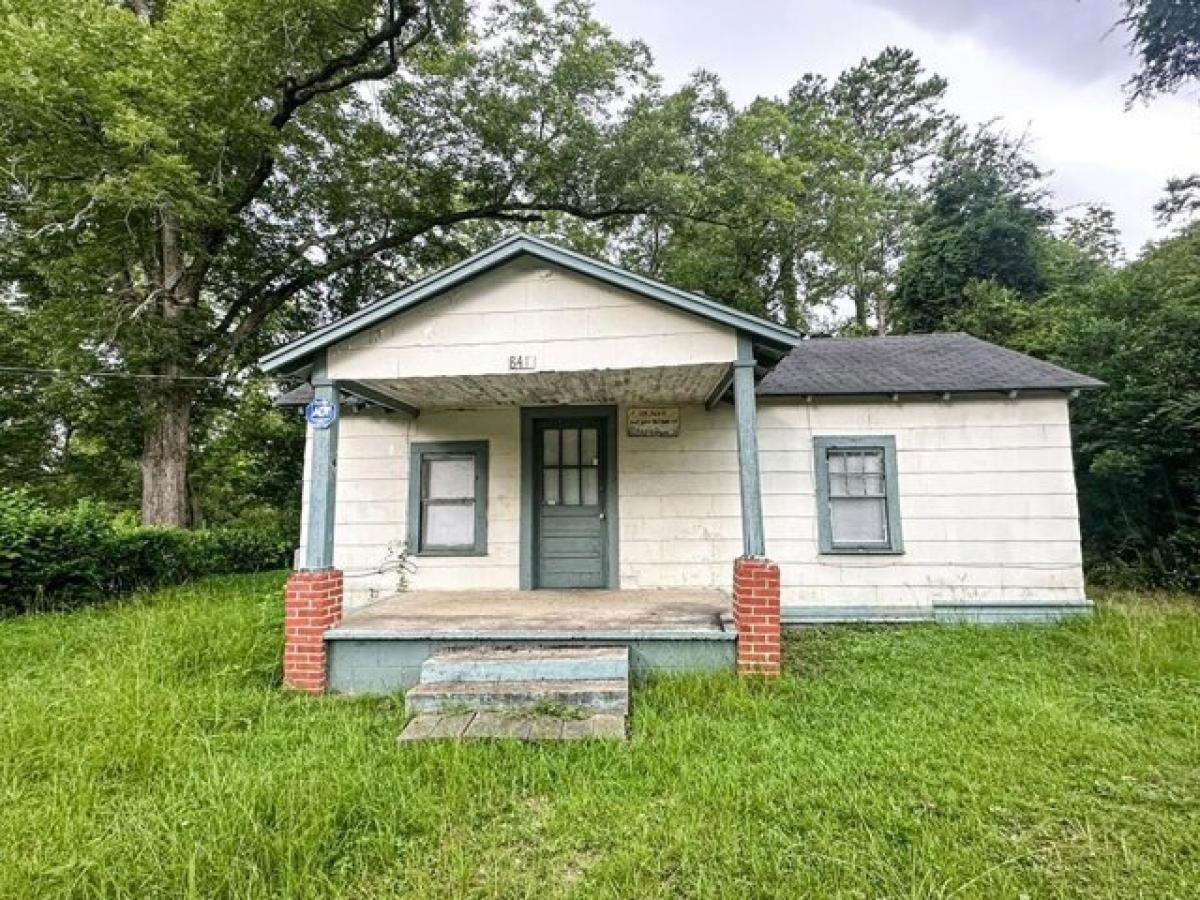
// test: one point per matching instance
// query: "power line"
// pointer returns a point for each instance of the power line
(17, 370)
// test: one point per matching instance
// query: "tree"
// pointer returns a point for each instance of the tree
(184, 181)
(62, 437)
(1165, 35)
(1138, 439)
(796, 205)
(760, 184)
(895, 122)
(984, 219)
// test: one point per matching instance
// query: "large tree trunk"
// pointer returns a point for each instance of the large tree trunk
(164, 460)
(166, 401)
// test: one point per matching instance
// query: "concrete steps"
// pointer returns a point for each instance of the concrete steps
(498, 688)
(493, 725)
(527, 664)
(610, 695)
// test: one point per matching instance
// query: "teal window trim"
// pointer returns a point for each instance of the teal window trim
(895, 537)
(418, 453)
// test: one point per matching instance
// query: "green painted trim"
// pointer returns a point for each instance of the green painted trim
(809, 614)
(975, 613)
(388, 666)
(371, 395)
(417, 452)
(350, 633)
(749, 479)
(1008, 613)
(720, 390)
(322, 481)
(887, 443)
(296, 353)
(529, 415)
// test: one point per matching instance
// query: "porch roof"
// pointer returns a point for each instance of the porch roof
(298, 354)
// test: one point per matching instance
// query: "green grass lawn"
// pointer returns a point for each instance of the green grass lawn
(146, 750)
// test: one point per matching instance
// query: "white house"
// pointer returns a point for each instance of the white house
(532, 420)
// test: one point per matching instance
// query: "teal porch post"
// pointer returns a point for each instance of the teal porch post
(322, 486)
(744, 402)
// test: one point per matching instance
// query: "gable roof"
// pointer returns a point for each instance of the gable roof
(912, 364)
(297, 353)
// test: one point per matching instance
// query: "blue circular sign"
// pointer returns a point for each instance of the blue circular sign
(320, 413)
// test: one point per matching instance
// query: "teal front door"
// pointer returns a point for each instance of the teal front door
(570, 547)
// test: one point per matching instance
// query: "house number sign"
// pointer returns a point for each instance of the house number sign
(653, 421)
(522, 363)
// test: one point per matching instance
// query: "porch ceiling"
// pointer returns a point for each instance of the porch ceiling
(662, 384)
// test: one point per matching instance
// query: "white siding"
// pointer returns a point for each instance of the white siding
(680, 507)
(569, 322)
(372, 500)
(986, 489)
(987, 500)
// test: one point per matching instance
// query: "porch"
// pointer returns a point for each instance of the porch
(380, 648)
(532, 419)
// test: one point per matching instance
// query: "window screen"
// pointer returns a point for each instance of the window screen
(448, 498)
(857, 494)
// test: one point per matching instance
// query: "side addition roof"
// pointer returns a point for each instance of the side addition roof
(912, 364)
(298, 353)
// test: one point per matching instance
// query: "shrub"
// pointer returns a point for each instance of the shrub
(53, 558)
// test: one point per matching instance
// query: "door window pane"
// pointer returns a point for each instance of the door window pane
(858, 520)
(550, 487)
(550, 447)
(449, 525)
(450, 479)
(570, 447)
(570, 487)
(589, 447)
(591, 487)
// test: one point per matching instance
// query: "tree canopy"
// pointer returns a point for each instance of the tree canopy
(185, 184)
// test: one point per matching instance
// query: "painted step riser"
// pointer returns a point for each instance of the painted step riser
(426, 706)
(589, 703)
(436, 670)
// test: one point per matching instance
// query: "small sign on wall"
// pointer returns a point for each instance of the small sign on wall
(320, 413)
(652, 421)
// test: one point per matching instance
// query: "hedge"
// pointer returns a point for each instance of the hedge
(54, 558)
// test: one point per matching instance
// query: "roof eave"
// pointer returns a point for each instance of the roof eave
(929, 391)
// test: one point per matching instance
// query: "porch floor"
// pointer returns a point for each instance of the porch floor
(674, 614)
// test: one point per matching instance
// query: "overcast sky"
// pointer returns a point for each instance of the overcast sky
(1049, 67)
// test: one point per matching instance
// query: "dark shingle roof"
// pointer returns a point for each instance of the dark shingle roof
(912, 364)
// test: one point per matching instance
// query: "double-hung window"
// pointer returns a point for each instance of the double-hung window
(447, 498)
(858, 505)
